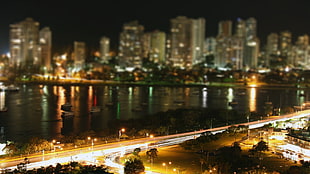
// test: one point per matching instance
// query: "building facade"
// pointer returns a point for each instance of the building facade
(157, 47)
(105, 49)
(79, 55)
(251, 44)
(24, 43)
(130, 46)
(186, 41)
(46, 49)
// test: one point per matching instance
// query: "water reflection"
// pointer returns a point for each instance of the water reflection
(204, 98)
(39, 107)
(2, 101)
(252, 98)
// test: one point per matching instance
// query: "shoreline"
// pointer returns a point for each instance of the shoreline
(165, 84)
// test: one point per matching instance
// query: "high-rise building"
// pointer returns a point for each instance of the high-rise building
(24, 43)
(79, 55)
(272, 48)
(158, 47)
(198, 40)
(240, 28)
(105, 49)
(154, 46)
(187, 41)
(46, 49)
(300, 56)
(146, 45)
(229, 52)
(210, 46)
(168, 49)
(229, 48)
(285, 44)
(225, 28)
(130, 47)
(180, 41)
(251, 44)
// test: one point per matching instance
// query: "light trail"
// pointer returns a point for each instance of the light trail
(114, 150)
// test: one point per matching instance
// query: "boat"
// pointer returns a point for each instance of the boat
(232, 103)
(195, 92)
(67, 115)
(109, 104)
(12, 88)
(241, 93)
(95, 109)
(179, 102)
(66, 107)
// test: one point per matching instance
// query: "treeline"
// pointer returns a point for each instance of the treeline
(72, 167)
(181, 120)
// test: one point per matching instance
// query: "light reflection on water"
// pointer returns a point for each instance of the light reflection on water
(35, 110)
(252, 99)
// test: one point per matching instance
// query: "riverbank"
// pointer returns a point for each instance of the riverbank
(76, 82)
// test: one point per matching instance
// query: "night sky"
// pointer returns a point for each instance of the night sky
(89, 20)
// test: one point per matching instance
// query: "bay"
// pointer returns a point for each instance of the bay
(35, 110)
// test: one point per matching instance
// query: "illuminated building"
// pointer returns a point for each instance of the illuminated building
(157, 47)
(229, 49)
(198, 40)
(225, 28)
(210, 46)
(105, 49)
(297, 147)
(272, 48)
(300, 53)
(46, 48)
(240, 29)
(30, 46)
(24, 43)
(130, 46)
(146, 45)
(187, 41)
(251, 44)
(79, 55)
(285, 44)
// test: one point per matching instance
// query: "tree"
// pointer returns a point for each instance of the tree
(136, 151)
(261, 146)
(134, 166)
(152, 154)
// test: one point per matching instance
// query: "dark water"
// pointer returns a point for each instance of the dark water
(35, 109)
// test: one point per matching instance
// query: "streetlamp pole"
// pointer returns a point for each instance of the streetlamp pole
(92, 142)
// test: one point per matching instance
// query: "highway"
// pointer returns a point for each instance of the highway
(116, 149)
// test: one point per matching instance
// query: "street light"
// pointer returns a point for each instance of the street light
(53, 145)
(176, 170)
(120, 133)
(302, 106)
(165, 165)
(92, 142)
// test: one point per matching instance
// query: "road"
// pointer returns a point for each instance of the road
(113, 150)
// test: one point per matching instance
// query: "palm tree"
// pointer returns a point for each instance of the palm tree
(152, 154)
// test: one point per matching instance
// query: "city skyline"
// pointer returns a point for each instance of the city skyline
(87, 23)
